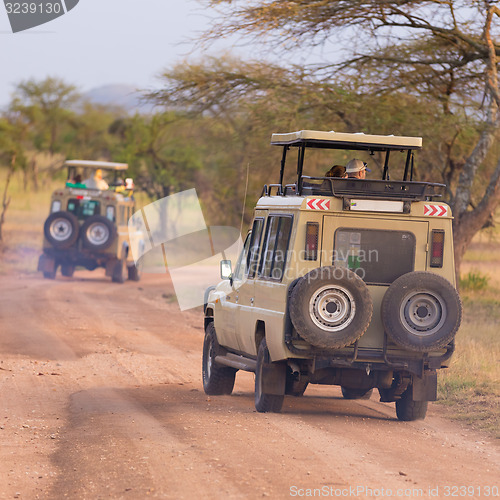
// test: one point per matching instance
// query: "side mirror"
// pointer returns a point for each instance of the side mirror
(226, 273)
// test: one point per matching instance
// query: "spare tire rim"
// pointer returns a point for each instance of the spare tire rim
(332, 308)
(61, 229)
(422, 313)
(97, 233)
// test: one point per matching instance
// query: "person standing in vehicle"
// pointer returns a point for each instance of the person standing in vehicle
(96, 182)
(356, 169)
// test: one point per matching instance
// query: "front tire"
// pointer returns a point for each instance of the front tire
(265, 402)
(135, 272)
(217, 379)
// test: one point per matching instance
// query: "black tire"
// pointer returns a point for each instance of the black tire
(356, 393)
(135, 272)
(331, 307)
(98, 233)
(119, 271)
(265, 402)
(49, 275)
(217, 379)
(61, 229)
(421, 311)
(67, 270)
(408, 410)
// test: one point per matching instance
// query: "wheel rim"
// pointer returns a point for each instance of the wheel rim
(332, 308)
(61, 229)
(422, 313)
(97, 233)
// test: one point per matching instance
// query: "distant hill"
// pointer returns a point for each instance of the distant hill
(120, 95)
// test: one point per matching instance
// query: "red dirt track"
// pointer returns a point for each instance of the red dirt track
(101, 397)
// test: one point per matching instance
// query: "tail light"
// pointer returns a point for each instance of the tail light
(437, 247)
(312, 231)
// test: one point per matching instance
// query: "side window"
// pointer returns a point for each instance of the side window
(240, 268)
(275, 247)
(253, 254)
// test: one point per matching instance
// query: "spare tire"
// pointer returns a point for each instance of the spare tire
(61, 229)
(421, 311)
(98, 233)
(330, 307)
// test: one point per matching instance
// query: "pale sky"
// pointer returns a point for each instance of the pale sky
(102, 42)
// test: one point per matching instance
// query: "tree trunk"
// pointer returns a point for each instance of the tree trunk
(6, 198)
(34, 174)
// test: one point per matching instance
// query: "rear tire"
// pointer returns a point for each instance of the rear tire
(67, 270)
(265, 402)
(217, 379)
(408, 410)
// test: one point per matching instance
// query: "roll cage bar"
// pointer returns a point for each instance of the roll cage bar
(357, 142)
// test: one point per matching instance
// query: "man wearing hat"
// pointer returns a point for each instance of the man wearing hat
(356, 169)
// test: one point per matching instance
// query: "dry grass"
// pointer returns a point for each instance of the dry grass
(471, 385)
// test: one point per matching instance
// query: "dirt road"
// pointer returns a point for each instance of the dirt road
(101, 397)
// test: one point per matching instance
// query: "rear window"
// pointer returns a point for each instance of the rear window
(84, 208)
(377, 256)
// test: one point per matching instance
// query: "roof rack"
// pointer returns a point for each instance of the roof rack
(341, 140)
(369, 189)
(103, 165)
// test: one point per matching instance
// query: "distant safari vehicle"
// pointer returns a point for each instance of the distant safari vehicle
(87, 224)
(342, 281)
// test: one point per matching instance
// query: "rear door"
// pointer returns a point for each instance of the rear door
(378, 251)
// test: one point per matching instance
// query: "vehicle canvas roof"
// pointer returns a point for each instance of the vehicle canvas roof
(341, 140)
(103, 165)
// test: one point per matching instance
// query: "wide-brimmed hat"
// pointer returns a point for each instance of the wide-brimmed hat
(355, 165)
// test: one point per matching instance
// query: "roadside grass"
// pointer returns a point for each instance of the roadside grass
(23, 227)
(470, 387)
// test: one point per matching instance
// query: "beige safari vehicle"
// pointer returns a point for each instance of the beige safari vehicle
(341, 281)
(88, 226)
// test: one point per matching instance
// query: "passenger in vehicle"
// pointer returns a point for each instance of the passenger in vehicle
(96, 181)
(336, 171)
(356, 169)
(76, 182)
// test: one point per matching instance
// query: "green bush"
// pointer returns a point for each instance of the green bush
(474, 280)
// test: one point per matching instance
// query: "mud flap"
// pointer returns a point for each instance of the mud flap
(425, 388)
(46, 264)
(274, 378)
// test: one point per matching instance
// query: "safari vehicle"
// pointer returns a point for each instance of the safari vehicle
(341, 281)
(88, 227)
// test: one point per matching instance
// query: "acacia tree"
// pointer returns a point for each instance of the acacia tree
(445, 51)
